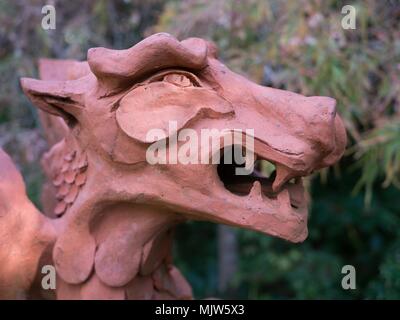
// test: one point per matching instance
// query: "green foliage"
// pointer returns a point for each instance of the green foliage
(387, 286)
(381, 145)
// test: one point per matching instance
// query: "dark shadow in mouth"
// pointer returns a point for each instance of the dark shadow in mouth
(264, 171)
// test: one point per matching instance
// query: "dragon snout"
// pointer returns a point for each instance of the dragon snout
(325, 129)
(305, 133)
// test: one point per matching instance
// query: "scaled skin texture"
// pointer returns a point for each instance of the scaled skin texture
(111, 212)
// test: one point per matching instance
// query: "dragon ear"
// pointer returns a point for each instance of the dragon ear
(58, 69)
(60, 98)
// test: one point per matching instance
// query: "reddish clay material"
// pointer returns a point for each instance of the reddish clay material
(24, 234)
(110, 214)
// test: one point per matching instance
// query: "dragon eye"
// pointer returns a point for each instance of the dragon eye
(178, 80)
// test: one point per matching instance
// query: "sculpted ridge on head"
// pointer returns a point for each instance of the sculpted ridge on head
(114, 99)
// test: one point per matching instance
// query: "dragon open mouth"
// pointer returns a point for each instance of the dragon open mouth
(272, 181)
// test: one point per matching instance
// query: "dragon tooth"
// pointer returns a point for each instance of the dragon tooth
(284, 199)
(283, 174)
(256, 190)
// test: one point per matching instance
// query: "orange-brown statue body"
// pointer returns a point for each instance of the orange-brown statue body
(108, 213)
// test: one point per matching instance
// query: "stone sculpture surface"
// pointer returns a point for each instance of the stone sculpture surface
(109, 215)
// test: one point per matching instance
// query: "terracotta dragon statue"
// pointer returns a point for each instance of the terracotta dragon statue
(109, 215)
